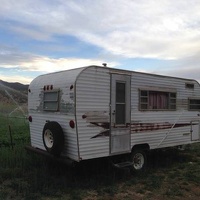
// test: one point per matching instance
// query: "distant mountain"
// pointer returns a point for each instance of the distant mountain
(14, 93)
(16, 86)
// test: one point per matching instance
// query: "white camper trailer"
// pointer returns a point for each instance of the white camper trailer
(94, 112)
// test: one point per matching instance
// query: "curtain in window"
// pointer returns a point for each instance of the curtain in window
(158, 100)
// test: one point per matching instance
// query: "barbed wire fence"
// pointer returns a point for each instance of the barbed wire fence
(14, 127)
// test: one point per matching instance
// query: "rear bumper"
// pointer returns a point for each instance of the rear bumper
(61, 159)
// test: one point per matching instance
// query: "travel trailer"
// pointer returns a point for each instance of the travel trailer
(94, 112)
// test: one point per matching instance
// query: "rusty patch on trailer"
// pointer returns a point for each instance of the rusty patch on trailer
(101, 119)
(141, 127)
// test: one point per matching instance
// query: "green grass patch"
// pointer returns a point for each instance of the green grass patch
(174, 191)
(13, 130)
(170, 175)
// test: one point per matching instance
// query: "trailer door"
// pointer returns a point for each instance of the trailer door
(120, 138)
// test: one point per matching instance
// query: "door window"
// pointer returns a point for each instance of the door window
(120, 103)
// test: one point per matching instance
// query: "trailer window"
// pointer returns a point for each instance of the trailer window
(194, 104)
(189, 85)
(51, 101)
(157, 100)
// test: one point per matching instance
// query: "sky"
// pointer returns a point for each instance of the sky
(42, 36)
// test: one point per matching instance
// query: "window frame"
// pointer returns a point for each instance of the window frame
(144, 99)
(189, 104)
(189, 86)
(56, 100)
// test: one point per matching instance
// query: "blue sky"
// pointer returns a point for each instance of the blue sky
(158, 36)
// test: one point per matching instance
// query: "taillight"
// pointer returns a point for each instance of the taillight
(71, 124)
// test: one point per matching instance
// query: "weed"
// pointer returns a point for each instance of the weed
(29, 177)
(153, 182)
(173, 191)
(141, 191)
(193, 175)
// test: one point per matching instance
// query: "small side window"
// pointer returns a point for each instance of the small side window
(189, 86)
(194, 104)
(157, 100)
(51, 100)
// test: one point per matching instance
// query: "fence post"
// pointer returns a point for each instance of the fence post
(11, 140)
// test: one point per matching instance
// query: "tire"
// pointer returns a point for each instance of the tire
(53, 138)
(139, 160)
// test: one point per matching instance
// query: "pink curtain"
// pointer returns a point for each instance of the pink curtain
(158, 100)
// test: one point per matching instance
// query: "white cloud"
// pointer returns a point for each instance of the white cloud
(185, 68)
(31, 33)
(160, 29)
(46, 64)
(164, 29)
(15, 78)
(43, 65)
(14, 62)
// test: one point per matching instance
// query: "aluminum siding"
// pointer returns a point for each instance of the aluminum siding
(60, 80)
(92, 98)
(158, 138)
(92, 87)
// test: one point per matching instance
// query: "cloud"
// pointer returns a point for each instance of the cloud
(165, 29)
(46, 64)
(14, 78)
(40, 65)
(31, 62)
(187, 67)
(31, 32)
(12, 56)
(158, 29)
(13, 62)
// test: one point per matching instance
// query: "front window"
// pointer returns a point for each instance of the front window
(51, 100)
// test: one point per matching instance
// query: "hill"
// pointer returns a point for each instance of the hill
(16, 86)
(13, 93)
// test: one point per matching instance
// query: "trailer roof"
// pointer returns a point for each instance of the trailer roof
(72, 74)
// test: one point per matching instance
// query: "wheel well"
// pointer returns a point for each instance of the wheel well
(141, 147)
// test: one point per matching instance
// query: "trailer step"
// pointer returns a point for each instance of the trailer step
(123, 164)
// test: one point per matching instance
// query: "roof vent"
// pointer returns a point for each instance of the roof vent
(104, 64)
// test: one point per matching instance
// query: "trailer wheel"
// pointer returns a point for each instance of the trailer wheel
(53, 138)
(139, 160)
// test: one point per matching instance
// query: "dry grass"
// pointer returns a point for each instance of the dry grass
(171, 174)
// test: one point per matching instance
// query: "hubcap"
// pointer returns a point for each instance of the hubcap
(138, 161)
(48, 138)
